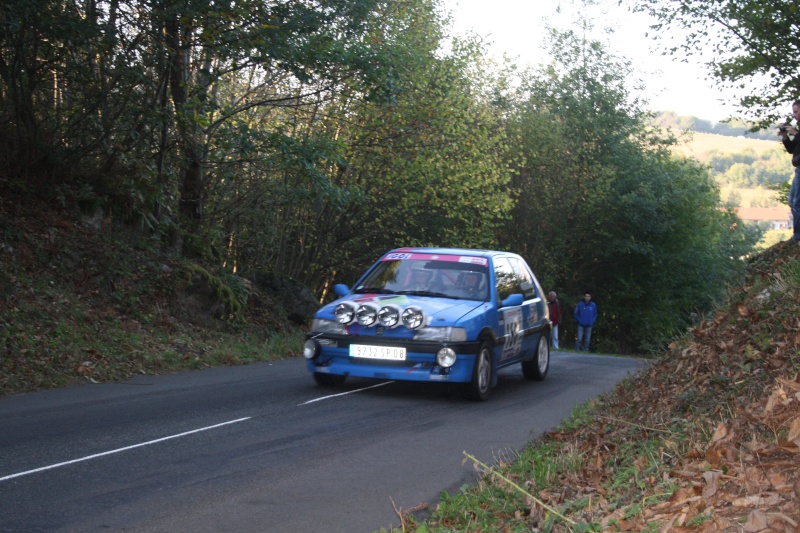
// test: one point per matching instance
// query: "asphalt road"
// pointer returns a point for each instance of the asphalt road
(260, 448)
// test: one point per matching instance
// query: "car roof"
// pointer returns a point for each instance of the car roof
(453, 251)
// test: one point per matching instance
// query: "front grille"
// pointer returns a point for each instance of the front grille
(382, 362)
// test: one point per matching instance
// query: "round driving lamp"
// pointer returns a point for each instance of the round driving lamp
(389, 316)
(446, 357)
(345, 313)
(310, 349)
(413, 317)
(367, 315)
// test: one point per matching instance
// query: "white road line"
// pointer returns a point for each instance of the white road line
(95, 456)
(340, 394)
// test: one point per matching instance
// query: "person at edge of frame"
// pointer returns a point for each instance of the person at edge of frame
(792, 146)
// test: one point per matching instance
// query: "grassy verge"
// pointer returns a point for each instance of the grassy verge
(50, 352)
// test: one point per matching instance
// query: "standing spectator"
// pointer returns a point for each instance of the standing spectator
(793, 147)
(585, 315)
(556, 312)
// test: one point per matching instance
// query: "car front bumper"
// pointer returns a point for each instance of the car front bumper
(333, 357)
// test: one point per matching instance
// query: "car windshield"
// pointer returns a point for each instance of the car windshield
(420, 275)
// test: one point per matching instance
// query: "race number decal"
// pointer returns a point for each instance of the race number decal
(533, 311)
(512, 319)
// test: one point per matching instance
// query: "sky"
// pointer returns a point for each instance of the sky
(516, 28)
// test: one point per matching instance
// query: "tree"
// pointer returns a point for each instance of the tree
(429, 166)
(74, 90)
(750, 42)
(318, 191)
(734, 199)
(602, 205)
(140, 86)
(207, 43)
(746, 168)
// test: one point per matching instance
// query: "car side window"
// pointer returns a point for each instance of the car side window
(505, 280)
(524, 278)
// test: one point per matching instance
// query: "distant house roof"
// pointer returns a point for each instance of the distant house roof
(764, 213)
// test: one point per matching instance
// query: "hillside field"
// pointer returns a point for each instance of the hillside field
(696, 144)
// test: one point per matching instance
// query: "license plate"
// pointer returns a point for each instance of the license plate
(388, 353)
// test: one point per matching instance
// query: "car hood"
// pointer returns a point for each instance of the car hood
(442, 311)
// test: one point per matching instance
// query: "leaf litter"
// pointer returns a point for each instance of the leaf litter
(706, 439)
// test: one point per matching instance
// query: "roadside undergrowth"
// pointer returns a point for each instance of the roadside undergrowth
(84, 304)
(706, 439)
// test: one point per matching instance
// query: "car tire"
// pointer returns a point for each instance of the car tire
(481, 385)
(328, 380)
(536, 369)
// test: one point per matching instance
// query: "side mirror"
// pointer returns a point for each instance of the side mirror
(513, 300)
(341, 289)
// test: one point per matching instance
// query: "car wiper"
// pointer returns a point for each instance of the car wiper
(426, 293)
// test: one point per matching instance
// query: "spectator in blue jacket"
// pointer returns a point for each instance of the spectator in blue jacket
(585, 315)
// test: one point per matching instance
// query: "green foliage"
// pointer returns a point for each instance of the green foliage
(782, 189)
(306, 139)
(747, 43)
(748, 169)
(323, 193)
(546, 465)
(228, 290)
(602, 206)
(444, 178)
(95, 98)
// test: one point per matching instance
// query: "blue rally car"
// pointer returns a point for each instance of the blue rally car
(436, 315)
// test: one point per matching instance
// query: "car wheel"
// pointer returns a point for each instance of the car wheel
(481, 385)
(537, 367)
(328, 380)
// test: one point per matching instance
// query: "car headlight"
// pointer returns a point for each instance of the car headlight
(389, 316)
(446, 357)
(413, 317)
(367, 315)
(321, 325)
(310, 349)
(345, 313)
(442, 334)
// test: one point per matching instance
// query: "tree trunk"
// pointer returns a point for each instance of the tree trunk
(189, 138)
